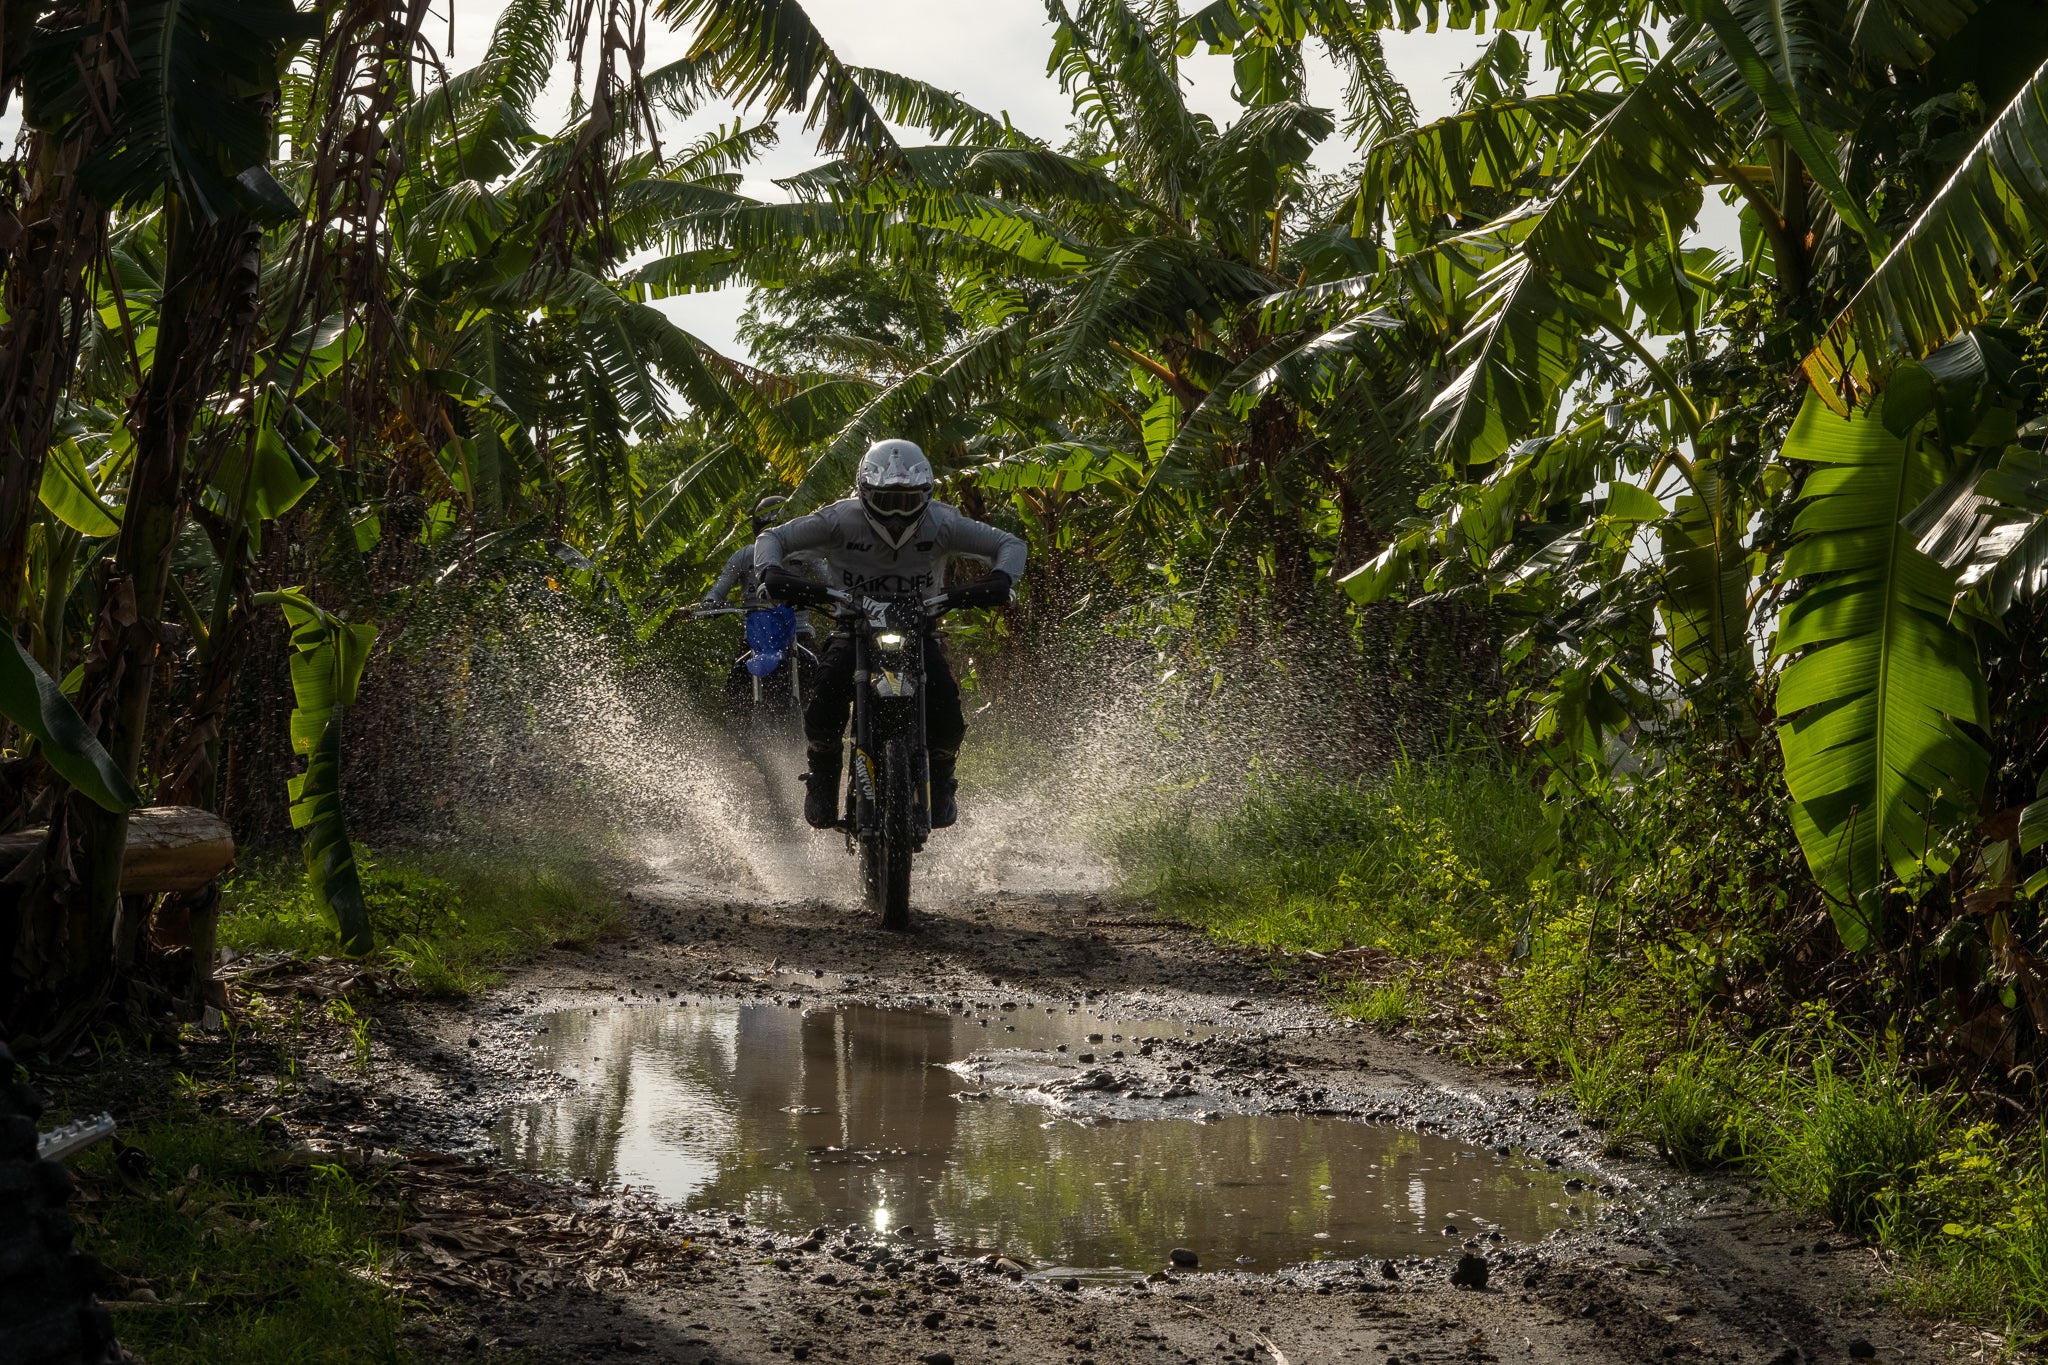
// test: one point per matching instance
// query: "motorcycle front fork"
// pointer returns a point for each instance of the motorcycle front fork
(864, 774)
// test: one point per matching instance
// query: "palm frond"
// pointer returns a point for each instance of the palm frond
(1249, 165)
(926, 400)
(190, 115)
(942, 113)
(686, 272)
(1906, 32)
(1990, 525)
(1647, 155)
(521, 53)
(1774, 74)
(720, 151)
(1519, 352)
(1028, 175)
(1293, 364)
(1706, 581)
(1433, 171)
(1499, 72)
(1376, 105)
(698, 496)
(1985, 222)
(770, 51)
(1147, 286)
(1111, 65)
(1800, 45)
(1062, 467)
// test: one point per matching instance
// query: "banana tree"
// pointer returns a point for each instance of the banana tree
(1105, 293)
(1882, 699)
(184, 139)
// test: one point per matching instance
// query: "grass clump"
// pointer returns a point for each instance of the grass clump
(1384, 1004)
(247, 1260)
(447, 920)
(1428, 858)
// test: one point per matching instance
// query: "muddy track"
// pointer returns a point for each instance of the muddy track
(1674, 1268)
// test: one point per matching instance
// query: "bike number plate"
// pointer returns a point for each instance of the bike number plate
(887, 684)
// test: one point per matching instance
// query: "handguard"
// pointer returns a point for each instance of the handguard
(792, 589)
(990, 591)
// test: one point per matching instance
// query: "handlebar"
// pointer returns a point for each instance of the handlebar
(801, 592)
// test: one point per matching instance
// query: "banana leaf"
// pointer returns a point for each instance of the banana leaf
(31, 699)
(70, 493)
(328, 655)
(1884, 676)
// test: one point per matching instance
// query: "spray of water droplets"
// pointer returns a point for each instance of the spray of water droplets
(560, 734)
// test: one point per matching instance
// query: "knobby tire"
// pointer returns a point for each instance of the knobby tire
(898, 836)
(868, 818)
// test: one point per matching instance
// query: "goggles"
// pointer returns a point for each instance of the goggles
(896, 502)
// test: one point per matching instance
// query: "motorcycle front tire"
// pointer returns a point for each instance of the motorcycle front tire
(898, 836)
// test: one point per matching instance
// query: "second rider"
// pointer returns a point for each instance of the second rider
(888, 540)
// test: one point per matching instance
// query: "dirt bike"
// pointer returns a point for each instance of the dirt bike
(887, 807)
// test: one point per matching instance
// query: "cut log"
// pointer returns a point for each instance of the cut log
(170, 848)
(175, 848)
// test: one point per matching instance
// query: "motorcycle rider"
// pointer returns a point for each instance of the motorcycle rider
(888, 540)
(738, 572)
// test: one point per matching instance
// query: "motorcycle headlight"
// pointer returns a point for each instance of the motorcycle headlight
(889, 639)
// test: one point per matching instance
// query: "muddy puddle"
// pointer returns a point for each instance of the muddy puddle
(972, 1130)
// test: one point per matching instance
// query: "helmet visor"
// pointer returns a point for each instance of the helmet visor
(896, 502)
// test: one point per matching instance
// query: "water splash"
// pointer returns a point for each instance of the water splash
(557, 731)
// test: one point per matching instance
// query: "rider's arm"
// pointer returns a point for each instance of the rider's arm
(983, 541)
(736, 568)
(813, 532)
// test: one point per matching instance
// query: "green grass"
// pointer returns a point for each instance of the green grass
(249, 1261)
(250, 1258)
(1386, 1004)
(1430, 858)
(446, 920)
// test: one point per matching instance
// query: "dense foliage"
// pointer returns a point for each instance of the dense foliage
(303, 331)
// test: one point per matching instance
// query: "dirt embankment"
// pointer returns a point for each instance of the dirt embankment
(1672, 1268)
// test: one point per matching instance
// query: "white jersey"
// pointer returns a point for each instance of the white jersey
(739, 573)
(860, 561)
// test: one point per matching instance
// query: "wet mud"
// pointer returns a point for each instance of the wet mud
(870, 1147)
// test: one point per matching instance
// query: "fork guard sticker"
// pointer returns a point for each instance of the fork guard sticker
(864, 774)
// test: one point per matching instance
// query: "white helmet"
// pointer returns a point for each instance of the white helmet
(895, 486)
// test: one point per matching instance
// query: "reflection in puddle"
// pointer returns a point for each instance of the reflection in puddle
(849, 1116)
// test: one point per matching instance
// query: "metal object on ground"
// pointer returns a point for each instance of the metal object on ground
(61, 1144)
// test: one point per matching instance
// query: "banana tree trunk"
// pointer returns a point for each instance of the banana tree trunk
(209, 300)
(50, 236)
(189, 760)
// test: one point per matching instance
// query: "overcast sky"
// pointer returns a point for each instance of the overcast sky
(992, 53)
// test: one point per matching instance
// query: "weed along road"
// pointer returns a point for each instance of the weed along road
(1041, 1128)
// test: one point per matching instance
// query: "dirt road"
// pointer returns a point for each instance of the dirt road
(1672, 1268)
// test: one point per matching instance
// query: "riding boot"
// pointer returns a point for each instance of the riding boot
(945, 808)
(821, 800)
